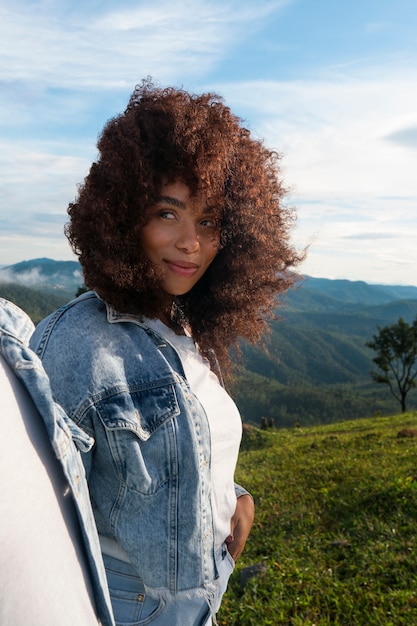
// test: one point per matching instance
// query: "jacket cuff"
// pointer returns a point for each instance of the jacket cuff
(241, 491)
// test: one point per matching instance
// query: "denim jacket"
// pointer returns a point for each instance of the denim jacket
(15, 330)
(149, 472)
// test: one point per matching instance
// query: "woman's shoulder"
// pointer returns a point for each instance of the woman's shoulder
(86, 325)
(72, 320)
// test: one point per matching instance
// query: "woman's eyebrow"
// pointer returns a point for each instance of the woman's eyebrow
(181, 205)
(172, 201)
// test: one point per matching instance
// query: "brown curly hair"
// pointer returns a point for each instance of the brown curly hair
(169, 134)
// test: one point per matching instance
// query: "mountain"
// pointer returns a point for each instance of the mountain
(323, 294)
(45, 274)
(40, 286)
(317, 367)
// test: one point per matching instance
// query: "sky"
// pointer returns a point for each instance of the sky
(331, 85)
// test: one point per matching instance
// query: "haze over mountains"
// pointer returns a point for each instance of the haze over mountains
(44, 273)
(312, 294)
(317, 368)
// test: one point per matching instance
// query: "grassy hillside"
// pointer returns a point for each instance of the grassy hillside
(335, 528)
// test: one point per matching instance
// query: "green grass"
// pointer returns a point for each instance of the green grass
(336, 526)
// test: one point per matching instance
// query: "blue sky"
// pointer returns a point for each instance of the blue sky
(332, 85)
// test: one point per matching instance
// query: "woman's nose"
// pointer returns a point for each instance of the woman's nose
(188, 238)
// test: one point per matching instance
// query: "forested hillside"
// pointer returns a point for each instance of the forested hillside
(316, 368)
(35, 302)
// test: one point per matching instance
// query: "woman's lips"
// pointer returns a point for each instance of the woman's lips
(182, 268)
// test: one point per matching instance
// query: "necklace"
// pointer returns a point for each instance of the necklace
(175, 319)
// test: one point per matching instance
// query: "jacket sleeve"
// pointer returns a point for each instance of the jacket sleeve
(241, 491)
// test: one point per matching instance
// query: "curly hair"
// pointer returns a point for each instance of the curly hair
(170, 135)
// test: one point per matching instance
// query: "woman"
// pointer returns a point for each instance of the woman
(184, 242)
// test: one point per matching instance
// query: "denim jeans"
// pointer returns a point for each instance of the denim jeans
(132, 606)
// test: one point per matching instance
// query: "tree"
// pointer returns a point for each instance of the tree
(80, 290)
(396, 356)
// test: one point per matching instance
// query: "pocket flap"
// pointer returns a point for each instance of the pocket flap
(142, 411)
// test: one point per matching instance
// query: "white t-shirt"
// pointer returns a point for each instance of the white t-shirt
(225, 426)
(44, 575)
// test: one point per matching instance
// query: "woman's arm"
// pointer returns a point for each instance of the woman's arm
(241, 525)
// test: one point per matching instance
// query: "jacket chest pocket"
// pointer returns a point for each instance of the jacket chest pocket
(140, 436)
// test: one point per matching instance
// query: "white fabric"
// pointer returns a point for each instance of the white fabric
(44, 579)
(112, 548)
(225, 426)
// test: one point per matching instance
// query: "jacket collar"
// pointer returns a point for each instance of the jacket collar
(114, 316)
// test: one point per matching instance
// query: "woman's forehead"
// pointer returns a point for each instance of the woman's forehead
(179, 194)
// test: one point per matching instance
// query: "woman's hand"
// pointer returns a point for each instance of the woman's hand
(240, 526)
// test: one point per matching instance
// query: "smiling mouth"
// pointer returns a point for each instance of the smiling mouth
(183, 268)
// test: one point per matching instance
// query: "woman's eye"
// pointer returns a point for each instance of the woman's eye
(168, 215)
(209, 223)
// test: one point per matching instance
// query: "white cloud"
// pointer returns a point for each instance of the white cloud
(18, 247)
(35, 181)
(47, 43)
(333, 132)
(356, 192)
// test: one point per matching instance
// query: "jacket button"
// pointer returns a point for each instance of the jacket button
(140, 597)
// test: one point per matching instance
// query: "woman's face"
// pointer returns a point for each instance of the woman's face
(181, 237)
